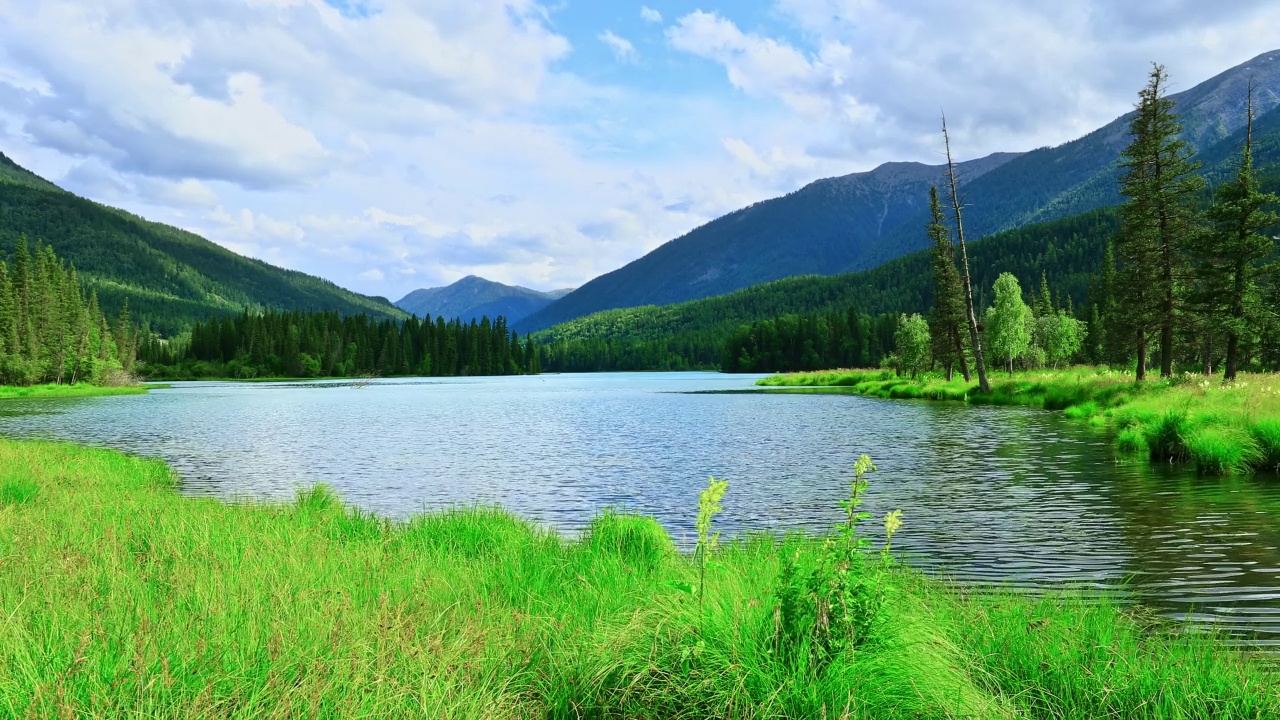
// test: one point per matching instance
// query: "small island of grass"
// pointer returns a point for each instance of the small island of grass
(79, 390)
(1221, 428)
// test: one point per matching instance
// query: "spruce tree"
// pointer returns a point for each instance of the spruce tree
(947, 319)
(1159, 219)
(1228, 260)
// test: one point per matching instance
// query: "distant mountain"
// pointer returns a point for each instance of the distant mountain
(474, 298)
(859, 221)
(170, 277)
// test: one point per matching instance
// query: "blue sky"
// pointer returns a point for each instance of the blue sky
(396, 144)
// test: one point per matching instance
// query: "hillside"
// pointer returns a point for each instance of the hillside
(859, 221)
(169, 276)
(475, 297)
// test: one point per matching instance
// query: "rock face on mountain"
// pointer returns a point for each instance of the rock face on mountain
(862, 220)
(474, 298)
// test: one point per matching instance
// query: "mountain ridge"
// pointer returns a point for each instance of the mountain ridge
(858, 221)
(474, 297)
(169, 276)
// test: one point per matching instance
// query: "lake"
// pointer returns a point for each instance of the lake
(1022, 497)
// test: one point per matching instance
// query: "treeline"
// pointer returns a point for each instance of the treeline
(327, 344)
(810, 342)
(689, 351)
(1186, 281)
(50, 332)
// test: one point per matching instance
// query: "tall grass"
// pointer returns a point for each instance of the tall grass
(8, 392)
(1219, 428)
(119, 598)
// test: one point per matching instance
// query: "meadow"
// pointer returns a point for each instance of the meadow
(120, 598)
(1221, 428)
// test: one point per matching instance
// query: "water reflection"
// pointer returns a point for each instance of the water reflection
(1005, 495)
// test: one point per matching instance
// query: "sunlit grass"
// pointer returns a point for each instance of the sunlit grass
(1220, 428)
(8, 392)
(120, 598)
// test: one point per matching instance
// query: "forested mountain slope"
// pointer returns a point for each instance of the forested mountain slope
(475, 298)
(169, 276)
(862, 220)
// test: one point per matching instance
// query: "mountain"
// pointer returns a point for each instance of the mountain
(474, 298)
(170, 277)
(862, 220)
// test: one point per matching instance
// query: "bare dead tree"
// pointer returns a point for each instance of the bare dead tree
(975, 339)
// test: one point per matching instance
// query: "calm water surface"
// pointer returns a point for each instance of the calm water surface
(1008, 495)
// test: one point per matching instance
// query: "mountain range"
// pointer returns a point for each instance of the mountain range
(473, 298)
(170, 277)
(859, 221)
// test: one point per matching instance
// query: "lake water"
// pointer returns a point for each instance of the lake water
(989, 494)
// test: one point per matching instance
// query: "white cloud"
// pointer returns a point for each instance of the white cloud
(430, 140)
(622, 48)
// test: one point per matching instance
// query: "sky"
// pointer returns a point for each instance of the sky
(390, 145)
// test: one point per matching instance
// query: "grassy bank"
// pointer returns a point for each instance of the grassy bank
(10, 392)
(122, 599)
(1221, 429)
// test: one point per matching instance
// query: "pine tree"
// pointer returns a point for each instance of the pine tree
(1159, 219)
(948, 314)
(1228, 260)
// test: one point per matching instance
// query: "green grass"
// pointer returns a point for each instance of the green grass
(10, 392)
(1219, 428)
(120, 598)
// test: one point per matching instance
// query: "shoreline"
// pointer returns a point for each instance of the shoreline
(127, 598)
(1190, 419)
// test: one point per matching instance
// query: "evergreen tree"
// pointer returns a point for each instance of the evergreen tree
(1159, 219)
(947, 318)
(1229, 260)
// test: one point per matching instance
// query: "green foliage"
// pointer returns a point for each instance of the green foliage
(1009, 321)
(1160, 181)
(708, 507)
(1061, 337)
(325, 344)
(638, 539)
(694, 334)
(833, 602)
(170, 277)
(50, 332)
(912, 343)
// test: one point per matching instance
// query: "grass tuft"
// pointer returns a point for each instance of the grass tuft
(638, 539)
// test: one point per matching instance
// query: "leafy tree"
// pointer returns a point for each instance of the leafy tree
(912, 341)
(1160, 180)
(1008, 321)
(1229, 260)
(1062, 336)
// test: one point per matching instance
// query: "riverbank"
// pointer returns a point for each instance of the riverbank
(10, 392)
(123, 598)
(1221, 429)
